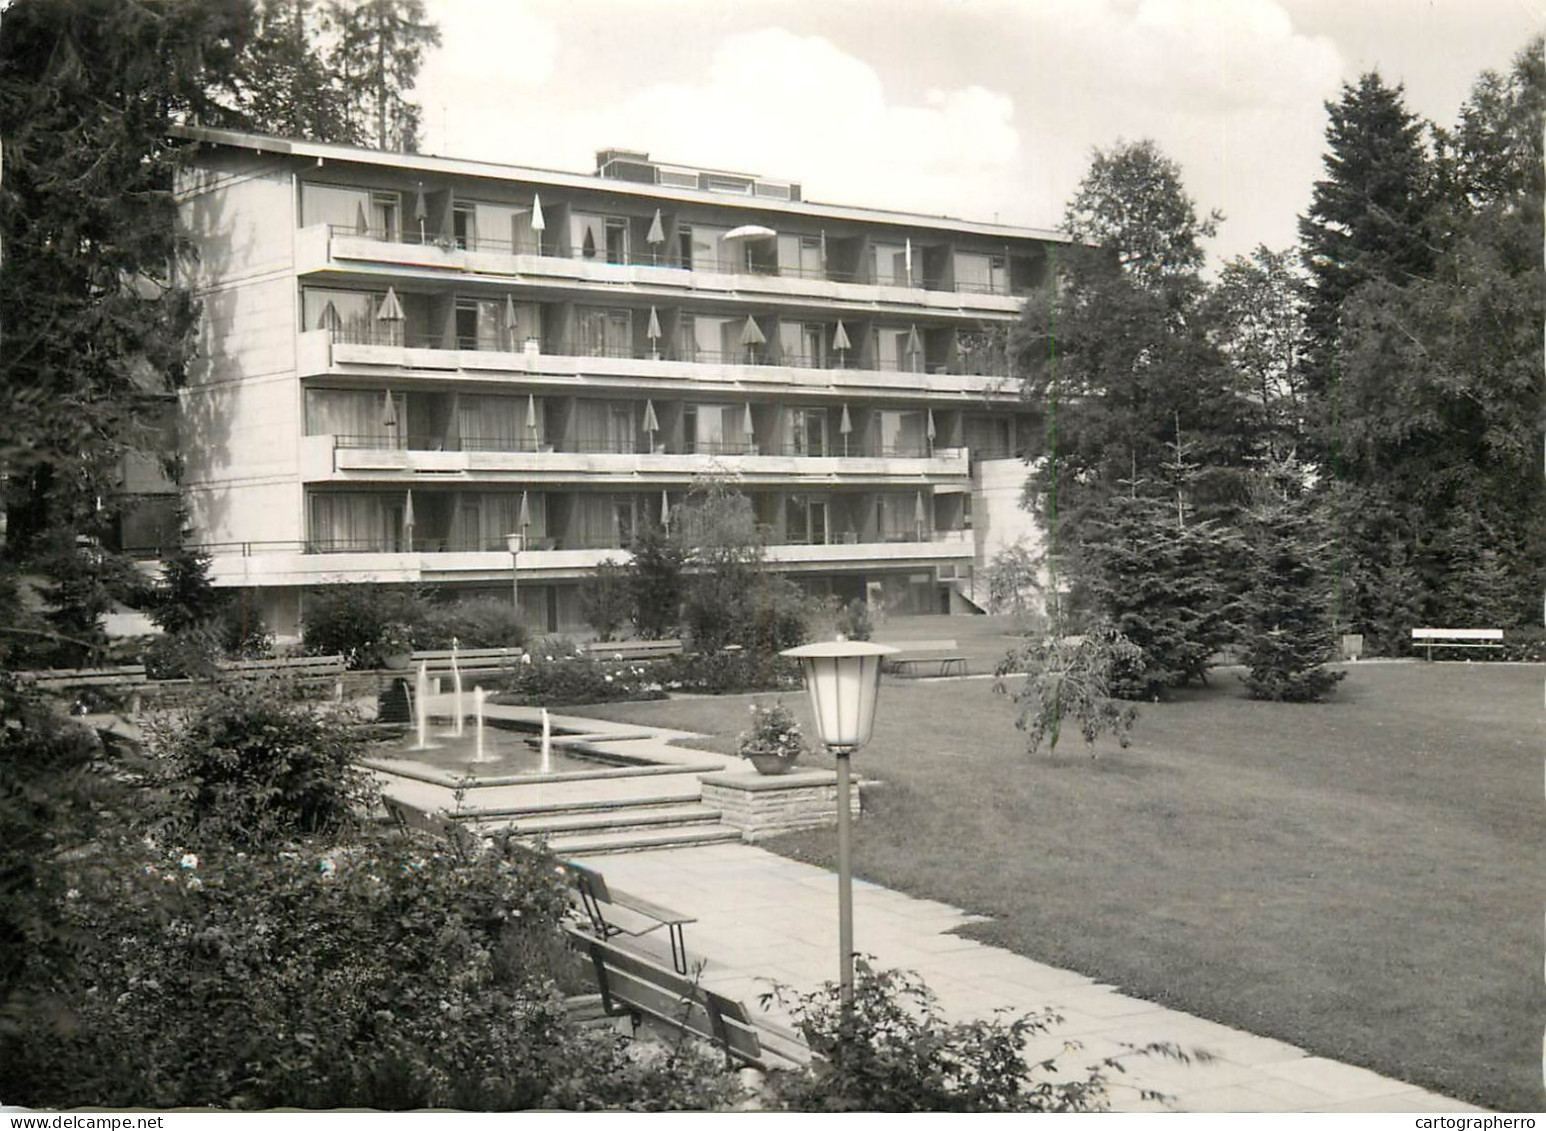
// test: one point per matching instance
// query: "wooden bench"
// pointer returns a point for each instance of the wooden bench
(914, 655)
(411, 818)
(1431, 638)
(631, 649)
(325, 671)
(57, 679)
(635, 987)
(469, 661)
(640, 915)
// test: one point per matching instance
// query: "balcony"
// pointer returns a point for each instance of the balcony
(322, 352)
(346, 458)
(332, 248)
(236, 565)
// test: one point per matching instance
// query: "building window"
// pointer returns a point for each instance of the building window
(808, 430)
(603, 333)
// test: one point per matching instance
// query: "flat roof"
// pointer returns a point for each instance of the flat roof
(454, 166)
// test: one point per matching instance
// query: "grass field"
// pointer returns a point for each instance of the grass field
(1363, 878)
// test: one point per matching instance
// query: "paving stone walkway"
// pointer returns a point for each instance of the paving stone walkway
(762, 917)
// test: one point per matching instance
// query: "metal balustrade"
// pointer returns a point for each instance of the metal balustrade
(651, 257)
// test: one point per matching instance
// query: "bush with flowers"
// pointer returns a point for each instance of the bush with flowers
(774, 742)
(562, 681)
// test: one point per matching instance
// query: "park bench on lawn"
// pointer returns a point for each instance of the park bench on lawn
(631, 649)
(635, 987)
(639, 916)
(1431, 638)
(913, 656)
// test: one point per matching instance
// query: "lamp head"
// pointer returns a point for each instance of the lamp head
(843, 679)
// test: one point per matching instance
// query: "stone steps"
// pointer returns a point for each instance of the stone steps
(611, 818)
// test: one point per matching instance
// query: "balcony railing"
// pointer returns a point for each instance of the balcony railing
(650, 257)
(433, 544)
(504, 342)
(641, 446)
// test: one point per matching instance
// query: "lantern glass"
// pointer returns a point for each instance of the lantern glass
(843, 678)
(514, 542)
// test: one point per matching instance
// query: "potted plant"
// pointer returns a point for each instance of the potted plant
(394, 647)
(774, 742)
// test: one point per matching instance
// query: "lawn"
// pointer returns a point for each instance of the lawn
(1363, 878)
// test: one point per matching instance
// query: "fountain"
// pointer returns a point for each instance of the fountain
(478, 695)
(456, 691)
(547, 742)
(421, 707)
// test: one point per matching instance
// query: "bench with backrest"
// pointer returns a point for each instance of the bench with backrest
(914, 657)
(1431, 638)
(612, 913)
(631, 649)
(413, 818)
(310, 671)
(58, 679)
(469, 661)
(633, 986)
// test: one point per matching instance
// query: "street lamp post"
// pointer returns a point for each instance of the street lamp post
(514, 542)
(843, 678)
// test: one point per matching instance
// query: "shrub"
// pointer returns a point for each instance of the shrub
(189, 653)
(184, 596)
(606, 601)
(478, 622)
(252, 765)
(1014, 580)
(655, 583)
(891, 1051)
(397, 976)
(853, 621)
(569, 681)
(1071, 677)
(358, 621)
(728, 673)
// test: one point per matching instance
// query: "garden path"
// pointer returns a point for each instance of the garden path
(762, 918)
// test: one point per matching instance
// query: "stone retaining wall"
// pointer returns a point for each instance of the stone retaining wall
(763, 806)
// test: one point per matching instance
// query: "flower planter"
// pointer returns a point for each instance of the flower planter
(397, 662)
(771, 764)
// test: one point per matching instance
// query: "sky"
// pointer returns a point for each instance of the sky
(981, 109)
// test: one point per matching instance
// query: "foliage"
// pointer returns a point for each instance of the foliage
(252, 764)
(655, 582)
(605, 598)
(96, 331)
(1165, 585)
(192, 653)
(56, 797)
(287, 83)
(559, 681)
(1014, 579)
(892, 1051)
(1131, 203)
(184, 595)
(1256, 315)
(1437, 381)
(378, 51)
(361, 622)
(853, 621)
(1123, 357)
(729, 673)
(399, 975)
(774, 614)
(472, 622)
(1286, 606)
(1072, 677)
(774, 731)
(725, 559)
(1370, 217)
(83, 583)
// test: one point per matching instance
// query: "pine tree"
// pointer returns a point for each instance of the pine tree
(1286, 617)
(1370, 217)
(380, 47)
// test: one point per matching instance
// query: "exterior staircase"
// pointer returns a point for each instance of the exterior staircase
(647, 812)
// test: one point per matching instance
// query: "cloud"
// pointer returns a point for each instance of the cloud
(489, 51)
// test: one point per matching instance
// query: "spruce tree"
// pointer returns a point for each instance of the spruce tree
(1286, 619)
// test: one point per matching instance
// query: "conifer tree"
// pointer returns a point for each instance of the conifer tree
(1287, 627)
